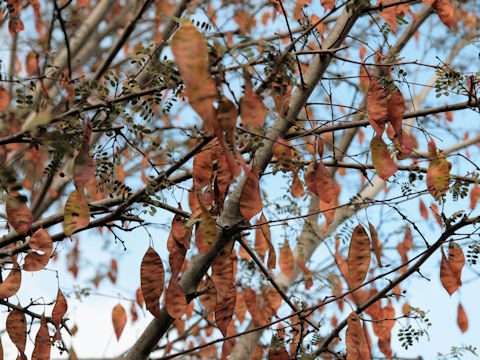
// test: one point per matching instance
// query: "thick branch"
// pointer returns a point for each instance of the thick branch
(231, 221)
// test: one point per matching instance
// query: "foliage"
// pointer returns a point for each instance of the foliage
(214, 157)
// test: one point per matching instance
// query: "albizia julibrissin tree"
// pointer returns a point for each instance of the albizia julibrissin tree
(289, 126)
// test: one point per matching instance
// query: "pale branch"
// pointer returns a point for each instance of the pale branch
(303, 29)
(81, 37)
(307, 241)
(92, 49)
(122, 40)
(145, 74)
(166, 33)
(65, 35)
(77, 43)
(231, 221)
(11, 63)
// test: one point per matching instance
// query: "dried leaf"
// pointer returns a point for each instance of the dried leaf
(432, 148)
(354, 337)
(376, 244)
(446, 12)
(113, 272)
(377, 108)
(119, 319)
(320, 147)
(358, 257)
(176, 258)
(423, 210)
(382, 161)
(240, 307)
(4, 98)
(206, 234)
(462, 319)
(272, 299)
(84, 165)
(366, 345)
(59, 310)
(297, 187)
(385, 348)
(447, 276)
(227, 115)
(263, 241)
(42, 242)
(388, 313)
(17, 330)
(306, 272)
(389, 15)
(15, 24)
(139, 296)
(456, 259)
(133, 312)
(189, 48)
(11, 284)
(42, 347)
(175, 300)
(438, 176)
(286, 260)
(375, 309)
(277, 353)
(474, 196)
(250, 199)
(324, 184)
(224, 176)
(225, 309)
(179, 232)
(77, 212)
(311, 177)
(283, 152)
(252, 109)
(258, 316)
(222, 272)
(152, 280)
(328, 4)
(208, 297)
(202, 168)
(405, 148)
(328, 210)
(31, 62)
(396, 108)
(18, 214)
